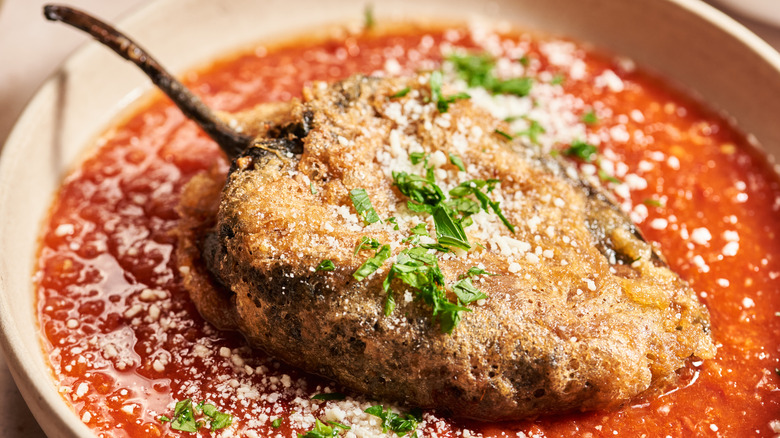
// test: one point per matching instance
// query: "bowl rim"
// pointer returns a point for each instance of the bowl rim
(46, 403)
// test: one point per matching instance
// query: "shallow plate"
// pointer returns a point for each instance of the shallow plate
(686, 41)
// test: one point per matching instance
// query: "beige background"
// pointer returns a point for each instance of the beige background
(31, 48)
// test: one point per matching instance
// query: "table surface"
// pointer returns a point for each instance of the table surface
(28, 55)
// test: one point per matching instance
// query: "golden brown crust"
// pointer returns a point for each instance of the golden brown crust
(582, 314)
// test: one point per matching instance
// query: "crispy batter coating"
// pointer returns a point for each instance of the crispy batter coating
(582, 314)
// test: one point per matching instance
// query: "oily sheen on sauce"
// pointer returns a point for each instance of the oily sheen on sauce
(125, 342)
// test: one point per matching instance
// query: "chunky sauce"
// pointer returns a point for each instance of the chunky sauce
(125, 342)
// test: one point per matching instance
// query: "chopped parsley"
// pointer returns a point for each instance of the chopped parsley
(533, 131)
(312, 189)
(474, 187)
(443, 102)
(368, 17)
(475, 271)
(401, 425)
(324, 430)
(277, 423)
(504, 134)
(420, 270)
(653, 203)
(582, 150)
(184, 416)
(417, 157)
(589, 118)
(368, 243)
(363, 206)
(449, 232)
(329, 396)
(457, 162)
(477, 71)
(401, 93)
(393, 221)
(557, 79)
(524, 61)
(325, 265)
(604, 176)
(373, 263)
(219, 420)
(466, 292)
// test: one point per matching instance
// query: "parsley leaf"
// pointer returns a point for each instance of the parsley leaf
(401, 93)
(420, 270)
(329, 396)
(184, 417)
(401, 425)
(557, 79)
(363, 206)
(325, 265)
(416, 157)
(474, 271)
(504, 134)
(533, 131)
(457, 162)
(421, 191)
(653, 203)
(373, 263)
(322, 430)
(368, 17)
(219, 420)
(367, 242)
(448, 231)
(604, 176)
(580, 149)
(474, 187)
(466, 292)
(589, 118)
(276, 423)
(442, 102)
(477, 71)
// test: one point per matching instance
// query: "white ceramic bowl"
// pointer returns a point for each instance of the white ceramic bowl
(686, 41)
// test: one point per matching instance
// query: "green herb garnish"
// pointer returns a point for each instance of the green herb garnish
(367, 242)
(401, 93)
(219, 420)
(475, 187)
(312, 189)
(443, 102)
(466, 291)
(363, 206)
(448, 231)
(329, 396)
(323, 430)
(420, 270)
(417, 157)
(557, 79)
(457, 162)
(477, 71)
(373, 263)
(475, 271)
(393, 221)
(580, 149)
(604, 176)
(504, 134)
(184, 416)
(533, 131)
(653, 203)
(589, 118)
(401, 425)
(276, 423)
(368, 16)
(325, 265)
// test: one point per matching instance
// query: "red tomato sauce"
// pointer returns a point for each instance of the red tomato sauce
(125, 342)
